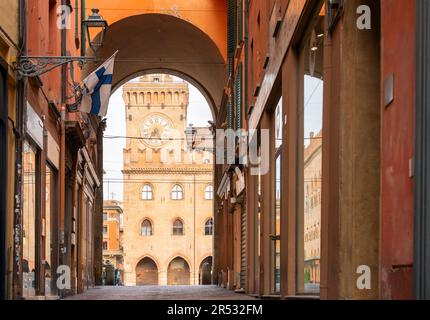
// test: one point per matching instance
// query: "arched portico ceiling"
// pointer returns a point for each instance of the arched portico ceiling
(210, 16)
(164, 42)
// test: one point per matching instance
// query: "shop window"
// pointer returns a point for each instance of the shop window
(276, 216)
(50, 198)
(29, 190)
(311, 139)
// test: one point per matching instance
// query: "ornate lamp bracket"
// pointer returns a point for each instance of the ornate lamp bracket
(28, 66)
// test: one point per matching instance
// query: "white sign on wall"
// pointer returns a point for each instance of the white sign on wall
(34, 126)
(53, 152)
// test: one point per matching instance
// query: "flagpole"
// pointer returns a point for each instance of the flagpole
(116, 52)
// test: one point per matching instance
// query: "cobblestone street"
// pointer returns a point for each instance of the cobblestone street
(160, 293)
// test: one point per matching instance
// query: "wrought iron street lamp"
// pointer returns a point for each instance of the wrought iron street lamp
(34, 66)
(97, 25)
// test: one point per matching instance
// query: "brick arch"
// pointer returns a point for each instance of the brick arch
(165, 42)
(146, 274)
(205, 256)
(204, 275)
(146, 256)
(178, 255)
(209, 16)
(178, 275)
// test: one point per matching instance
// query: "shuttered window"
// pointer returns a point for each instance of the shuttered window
(238, 98)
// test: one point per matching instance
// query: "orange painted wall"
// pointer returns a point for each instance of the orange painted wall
(260, 13)
(113, 233)
(210, 16)
(397, 137)
(44, 39)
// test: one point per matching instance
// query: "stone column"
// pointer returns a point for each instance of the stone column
(351, 156)
(162, 278)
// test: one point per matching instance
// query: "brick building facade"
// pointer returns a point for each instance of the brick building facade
(167, 201)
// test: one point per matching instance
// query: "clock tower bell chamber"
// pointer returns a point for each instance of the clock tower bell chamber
(156, 111)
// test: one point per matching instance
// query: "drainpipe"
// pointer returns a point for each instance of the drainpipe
(77, 22)
(64, 66)
(62, 197)
(83, 37)
(20, 120)
(62, 171)
(194, 245)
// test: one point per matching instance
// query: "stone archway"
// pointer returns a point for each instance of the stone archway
(205, 271)
(178, 272)
(146, 272)
(160, 42)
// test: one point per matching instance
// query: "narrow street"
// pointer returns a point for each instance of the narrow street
(160, 293)
(214, 150)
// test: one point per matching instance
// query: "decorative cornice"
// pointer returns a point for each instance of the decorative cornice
(208, 170)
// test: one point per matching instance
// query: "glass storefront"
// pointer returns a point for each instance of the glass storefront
(48, 230)
(276, 218)
(29, 158)
(257, 224)
(311, 112)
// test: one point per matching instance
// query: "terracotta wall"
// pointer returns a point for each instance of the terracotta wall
(397, 138)
(44, 39)
(208, 15)
(113, 229)
(260, 13)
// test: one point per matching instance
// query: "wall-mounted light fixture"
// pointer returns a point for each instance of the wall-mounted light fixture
(34, 66)
(95, 24)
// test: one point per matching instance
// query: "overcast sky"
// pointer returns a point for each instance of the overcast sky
(198, 114)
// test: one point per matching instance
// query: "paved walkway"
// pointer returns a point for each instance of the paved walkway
(160, 293)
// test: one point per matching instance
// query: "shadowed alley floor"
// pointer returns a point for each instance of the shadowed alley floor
(160, 293)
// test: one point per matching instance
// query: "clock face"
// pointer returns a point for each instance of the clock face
(156, 131)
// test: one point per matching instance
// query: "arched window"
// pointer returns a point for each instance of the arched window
(178, 228)
(147, 192)
(177, 192)
(146, 228)
(209, 193)
(209, 227)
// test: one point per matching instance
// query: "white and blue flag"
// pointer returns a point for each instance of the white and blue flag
(98, 85)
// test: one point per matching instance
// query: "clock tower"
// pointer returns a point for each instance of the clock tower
(167, 237)
(155, 105)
